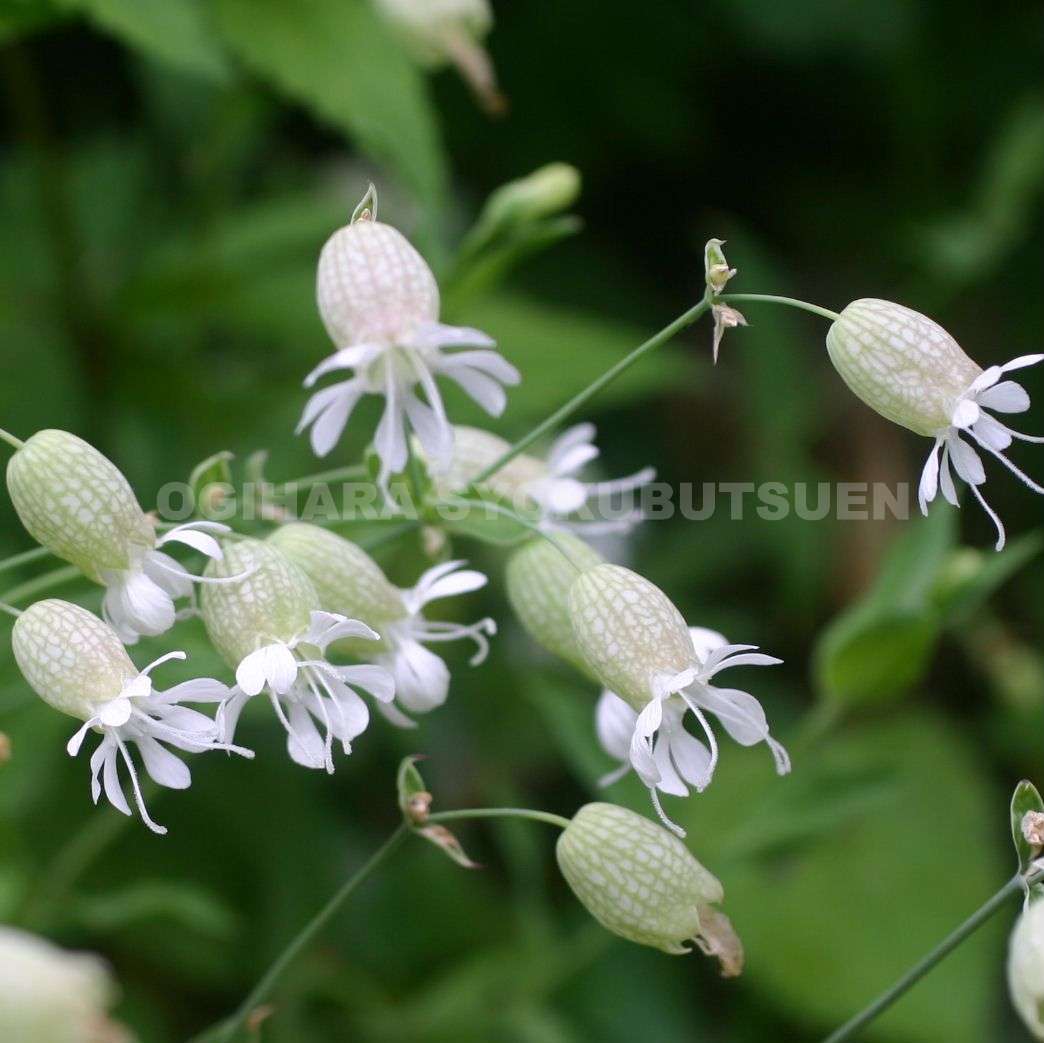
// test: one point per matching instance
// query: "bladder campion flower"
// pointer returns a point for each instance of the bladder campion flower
(76, 663)
(440, 32)
(272, 632)
(1026, 967)
(644, 884)
(53, 996)
(550, 484)
(539, 576)
(380, 304)
(76, 503)
(639, 647)
(912, 372)
(349, 582)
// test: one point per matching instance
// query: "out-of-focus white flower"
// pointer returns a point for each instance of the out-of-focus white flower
(656, 671)
(380, 304)
(271, 630)
(348, 581)
(53, 996)
(1026, 967)
(76, 503)
(441, 32)
(551, 484)
(76, 663)
(645, 885)
(912, 372)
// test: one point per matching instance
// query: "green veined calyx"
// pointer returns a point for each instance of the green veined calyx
(76, 503)
(911, 371)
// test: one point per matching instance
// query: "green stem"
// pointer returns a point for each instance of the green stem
(536, 816)
(14, 443)
(226, 1030)
(771, 298)
(920, 969)
(338, 474)
(10, 610)
(24, 558)
(50, 579)
(581, 399)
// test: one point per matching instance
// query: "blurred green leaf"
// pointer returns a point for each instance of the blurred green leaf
(20, 19)
(176, 32)
(181, 905)
(487, 516)
(336, 57)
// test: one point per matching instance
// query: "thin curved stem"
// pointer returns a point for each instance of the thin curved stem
(24, 558)
(536, 816)
(850, 1028)
(14, 443)
(337, 474)
(226, 1030)
(771, 298)
(564, 412)
(50, 579)
(10, 610)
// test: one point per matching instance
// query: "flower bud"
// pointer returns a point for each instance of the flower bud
(76, 503)
(1026, 967)
(642, 883)
(346, 579)
(538, 580)
(716, 269)
(372, 286)
(901, 364)
(272, 602)
(53, 996)
(631, 635)
(427, 25)
(69, 657)
(543, 193)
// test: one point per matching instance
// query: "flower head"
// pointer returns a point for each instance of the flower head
(77, 504)
(550, 484)
(656, 671)
(380, 304)
(912, 372)
(270, 628)
(1026, 967)
(53, 996)
(77, 664)
(644, 884)
(348, 581)
(439, 32)
(539, 576)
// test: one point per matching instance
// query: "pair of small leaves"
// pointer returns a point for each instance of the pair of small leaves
(415, 804)
(1027, 827)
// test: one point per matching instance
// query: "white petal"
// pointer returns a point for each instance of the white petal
(347, 358)
(949, 490)
(113, 787)
(437, 335)
(162, 766)
(965, 413)
(433, 430)
(669, 781)
(390, 439)
(991, 432)
(691, 757)
(115, 713)
(199, 690)
(421, 678)
(462, 582)
(192, 537)
(614, 724)
(304, 743)
(1021, 362)
(1005, 397)
(490, 363)
(966, 462)
(391, 713)
(484, 390)
(373, 679)
(136, 602)
(739, 712)
(72, 747)
(167, 573)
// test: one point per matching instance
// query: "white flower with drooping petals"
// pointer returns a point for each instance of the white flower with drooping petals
(50, 995)
(380, 304)
(351, 583)
(76, 663)
(550, 484)
(658, 670)
(76, 503)
(269, 627)
(912, 372)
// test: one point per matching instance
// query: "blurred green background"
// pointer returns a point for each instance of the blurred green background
(168, 172)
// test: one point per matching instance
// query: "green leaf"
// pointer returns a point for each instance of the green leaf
(1026, 798)
(176, 32)
(184, 905)
(210, 481)
(336, 57)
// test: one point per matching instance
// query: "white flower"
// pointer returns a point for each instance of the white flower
(76, 663)
(380, 304)
(551, 484)
(77, 504)
(1026, 967)
(664, 754)
(349, 581)
(914, 373)
(49, 995)
(656, 671)
(269, 627)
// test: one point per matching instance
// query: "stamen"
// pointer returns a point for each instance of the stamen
(1009, 465)
(139, 800)
(672, 826)
(993, 515)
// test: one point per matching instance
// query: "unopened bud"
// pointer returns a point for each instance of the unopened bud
(544, 193)
(642, 883)
(1033, 828)
(716, 269)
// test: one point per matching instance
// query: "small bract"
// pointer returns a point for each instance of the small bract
(644, 884)
(912, 372)
(349, 582)
(76, 503)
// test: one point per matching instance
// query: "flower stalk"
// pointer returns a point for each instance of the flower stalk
(771, 298)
